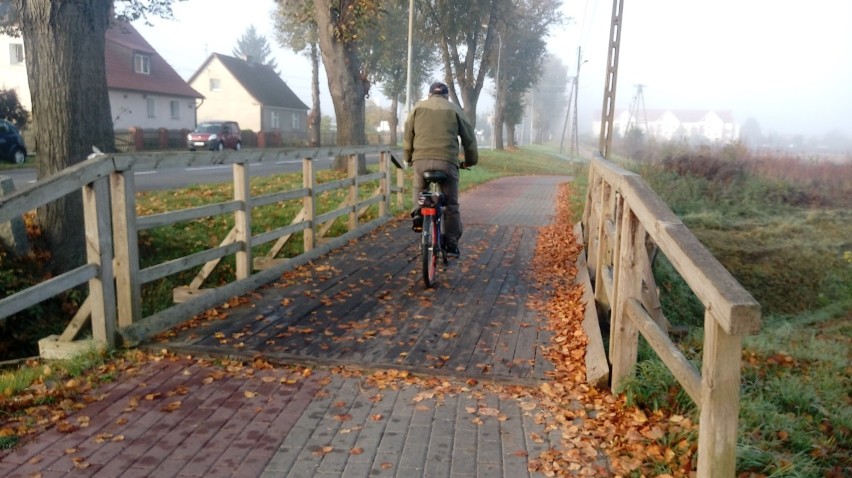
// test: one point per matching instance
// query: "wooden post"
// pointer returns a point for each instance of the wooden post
(353, 193)
(126, 237)
(384, 184)
(624, 342)
(621, 217)
(13, 234)
(603, 243)
(308, 202)
(242, 219)
(720, 398)
(400, 185)
(99, 252)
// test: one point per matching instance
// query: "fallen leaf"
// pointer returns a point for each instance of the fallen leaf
(172, 406)
(250, 394)
(356, 451)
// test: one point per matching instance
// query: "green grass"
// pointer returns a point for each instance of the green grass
(13, 382)
(171, 242)
(782, 228)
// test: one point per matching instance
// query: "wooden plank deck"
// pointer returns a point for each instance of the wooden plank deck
(365, 304)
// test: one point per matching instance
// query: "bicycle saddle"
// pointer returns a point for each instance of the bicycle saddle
(435, 176)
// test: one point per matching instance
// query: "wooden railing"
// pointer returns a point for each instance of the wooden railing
(112, 270)
(624, 221)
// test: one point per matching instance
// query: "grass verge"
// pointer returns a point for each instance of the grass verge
(783, 232)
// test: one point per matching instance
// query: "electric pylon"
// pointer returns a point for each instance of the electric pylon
(638, 99)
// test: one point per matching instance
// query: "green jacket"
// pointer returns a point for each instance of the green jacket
(433, 129)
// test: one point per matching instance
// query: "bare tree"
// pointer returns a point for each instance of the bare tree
(386, 55)
(464, 32)
(297, 29)
(340, 26)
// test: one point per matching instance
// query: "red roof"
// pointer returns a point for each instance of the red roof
(122, 43)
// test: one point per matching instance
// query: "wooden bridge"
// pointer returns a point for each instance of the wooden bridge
(365, 303)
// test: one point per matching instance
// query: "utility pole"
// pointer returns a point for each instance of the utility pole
(408, 65)
(573, 98)
(608, 110)
(567, 113)
(575, 144)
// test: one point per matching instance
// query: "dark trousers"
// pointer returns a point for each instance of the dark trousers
(450, 189)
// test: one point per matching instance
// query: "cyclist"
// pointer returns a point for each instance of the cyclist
(431, 143)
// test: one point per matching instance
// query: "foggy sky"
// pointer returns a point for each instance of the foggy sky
(785, 63)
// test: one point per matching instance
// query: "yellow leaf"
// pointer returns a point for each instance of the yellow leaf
(172, 406)
(250, 394)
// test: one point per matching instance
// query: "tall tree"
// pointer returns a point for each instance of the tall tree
(340, 26)
(548, 100)
(297, 30)
(464, 32)
(255, 48)
(386, 56)
(65, 48)
(523, 53)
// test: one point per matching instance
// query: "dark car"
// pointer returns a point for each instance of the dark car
(215, 135)
(12, 147)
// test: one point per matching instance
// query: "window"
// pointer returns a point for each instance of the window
(16, 53)
(152, 108)
(175, 106)
(295, 122)
(215, 84)
(276, 120)
(142, 64)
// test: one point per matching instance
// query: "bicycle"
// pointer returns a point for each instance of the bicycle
(431, 202)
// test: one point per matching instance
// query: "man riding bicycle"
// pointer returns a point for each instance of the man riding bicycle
(431, 143)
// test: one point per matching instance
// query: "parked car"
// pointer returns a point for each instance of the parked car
(12, 147)
(215, 135)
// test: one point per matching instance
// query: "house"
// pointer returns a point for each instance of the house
(144, 91)
(691, 125)
(249, 93)
(13, 69)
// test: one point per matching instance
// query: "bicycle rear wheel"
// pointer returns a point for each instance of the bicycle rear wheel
(429, 250)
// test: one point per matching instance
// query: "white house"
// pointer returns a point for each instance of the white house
(144, 91)
(249, 93)
(692, 125)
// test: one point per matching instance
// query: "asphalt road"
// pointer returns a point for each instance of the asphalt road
(173, 178)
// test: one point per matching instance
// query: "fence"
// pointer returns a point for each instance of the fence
(112, 270)
(623, 217)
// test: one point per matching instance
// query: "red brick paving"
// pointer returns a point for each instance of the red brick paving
(230, 426)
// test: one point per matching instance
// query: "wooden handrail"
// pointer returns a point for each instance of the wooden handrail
(111, 227)
(622, 216)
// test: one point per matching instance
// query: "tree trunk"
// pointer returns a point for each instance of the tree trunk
(65, 46)
(315, 118)
(394, 120)
(510, 133)
(347, 86)
(498, 121)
